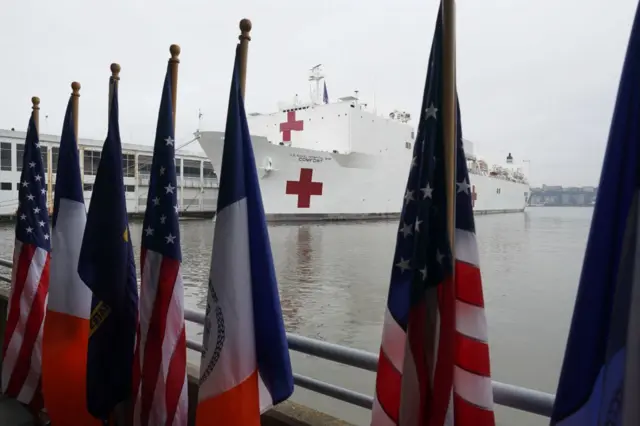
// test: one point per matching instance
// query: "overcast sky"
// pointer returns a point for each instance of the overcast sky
(537, 78)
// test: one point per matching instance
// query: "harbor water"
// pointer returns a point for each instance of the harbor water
(333, 281)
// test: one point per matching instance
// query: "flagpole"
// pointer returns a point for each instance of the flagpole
(35, 106)
(173, 63)
(449, 113)
(113, 81)
(245, 38)
(75, 112)
(115, 415)
(75, 101)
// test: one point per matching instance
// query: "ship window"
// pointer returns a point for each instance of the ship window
(128, 165)
(498, 191)
(144, 164)
(129, 188)
(407, 145)
(413, 134)
(55, 153)
(91, 162)
(208, 171)
(88, 187)
(6, 186)
(192, 168)
(19, 155)
(5, 156)
(177, 167)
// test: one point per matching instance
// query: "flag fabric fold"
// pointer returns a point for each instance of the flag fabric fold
(66, 328)
(434, 364)
(160, 392)
(600, 377)
(106, 265)
(245, 368)
(22, 346)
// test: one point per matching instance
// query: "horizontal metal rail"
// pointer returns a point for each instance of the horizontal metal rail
(519, 398)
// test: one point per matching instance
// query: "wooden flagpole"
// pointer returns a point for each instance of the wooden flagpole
(35, 113)
(113, 81)
(245, 38)
(75, 113)
(75, 101)
(173, 63)
(449, 113)
(35, 107)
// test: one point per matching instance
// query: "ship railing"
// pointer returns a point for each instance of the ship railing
(516, 397)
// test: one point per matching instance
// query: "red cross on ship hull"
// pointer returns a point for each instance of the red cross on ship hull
(290, 125)
(304, 188)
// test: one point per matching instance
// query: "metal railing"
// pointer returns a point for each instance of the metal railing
(519, 398)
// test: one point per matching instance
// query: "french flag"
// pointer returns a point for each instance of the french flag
(66, 328)
(245, 368)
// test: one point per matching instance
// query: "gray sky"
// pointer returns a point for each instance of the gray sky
(537, 78)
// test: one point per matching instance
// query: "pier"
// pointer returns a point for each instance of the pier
(290, 413)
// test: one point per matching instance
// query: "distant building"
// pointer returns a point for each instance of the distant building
(555, 195)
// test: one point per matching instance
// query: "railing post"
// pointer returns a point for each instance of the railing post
(4, 311)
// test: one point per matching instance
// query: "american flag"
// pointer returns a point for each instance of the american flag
(161, 397)
(434, 358)
(22, 348)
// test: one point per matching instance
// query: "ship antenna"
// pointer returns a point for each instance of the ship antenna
(316, 74)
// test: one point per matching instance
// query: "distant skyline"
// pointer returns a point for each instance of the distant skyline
(536, 79)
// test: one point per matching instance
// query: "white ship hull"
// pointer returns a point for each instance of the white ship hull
(304, 184)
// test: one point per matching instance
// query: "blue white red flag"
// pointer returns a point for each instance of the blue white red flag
(66, 327)
(160, 391)
(22, 347)
(245, 368)
(106, 265)
(434, 364)
(600, 378)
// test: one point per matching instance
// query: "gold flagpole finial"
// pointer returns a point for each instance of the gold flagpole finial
(245, 29)
(115, 71)
(75, 88)
(175, 50)
(245, 38)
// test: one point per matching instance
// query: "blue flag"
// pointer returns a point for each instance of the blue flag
(107, 267)
(600, 378)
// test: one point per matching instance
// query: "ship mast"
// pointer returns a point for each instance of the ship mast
(316, 74)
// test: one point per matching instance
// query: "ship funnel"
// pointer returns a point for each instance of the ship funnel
(509, 159)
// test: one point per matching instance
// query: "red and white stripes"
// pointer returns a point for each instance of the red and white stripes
(161, 395)
(22, 347)
(455, 345)
(473, 394)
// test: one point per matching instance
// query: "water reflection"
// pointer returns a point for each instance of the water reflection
(297, 275)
